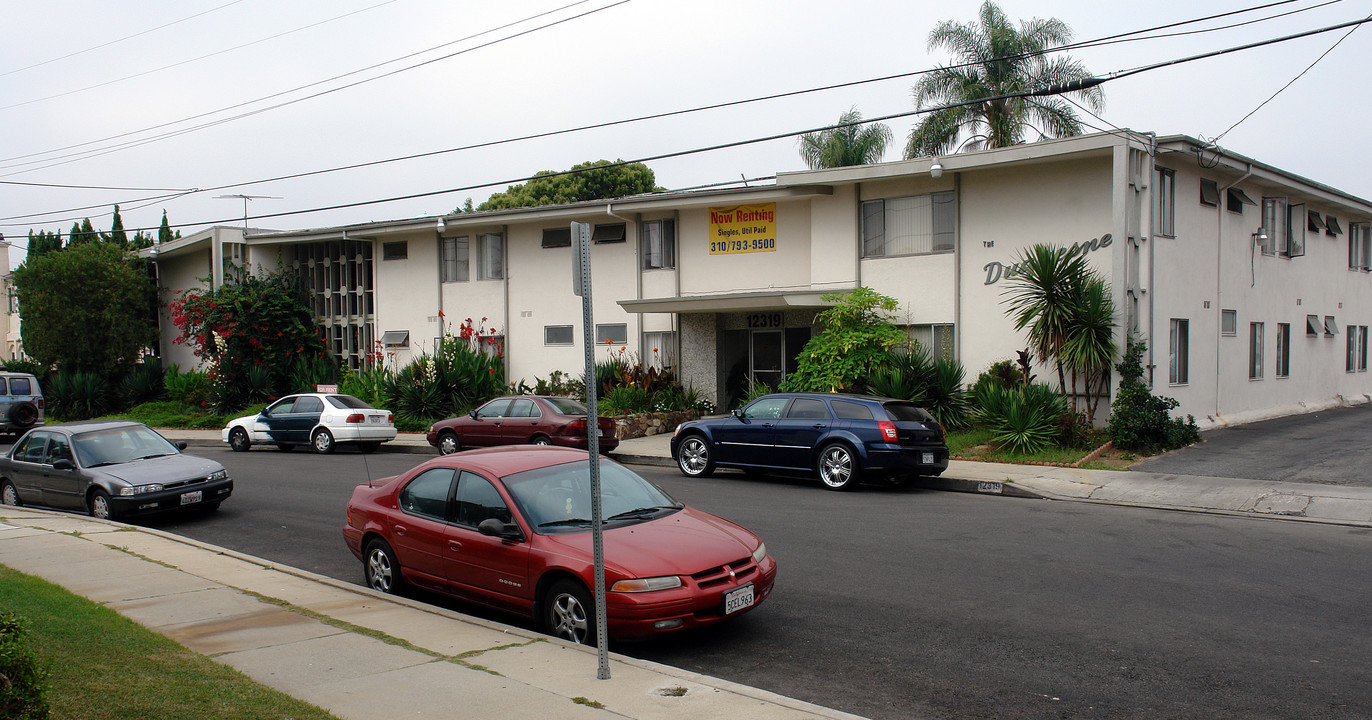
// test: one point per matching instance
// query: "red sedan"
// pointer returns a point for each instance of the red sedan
(510, 528)
(522, 420)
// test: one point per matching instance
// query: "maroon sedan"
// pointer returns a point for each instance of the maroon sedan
(521, 420)
(510, 528)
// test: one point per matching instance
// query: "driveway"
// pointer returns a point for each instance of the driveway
(1329, 447)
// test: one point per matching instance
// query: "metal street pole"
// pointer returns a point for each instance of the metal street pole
(581, 285)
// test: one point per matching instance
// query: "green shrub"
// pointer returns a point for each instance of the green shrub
(78, 396)
(1141, 421)
(308, 372)
(22, 680)
(562, 385)
(935, 385)
(625, 399)
(26, 366)
(145, 383)
(191, 388)
(1021, 420)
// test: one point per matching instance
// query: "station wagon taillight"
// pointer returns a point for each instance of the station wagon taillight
(888, 430)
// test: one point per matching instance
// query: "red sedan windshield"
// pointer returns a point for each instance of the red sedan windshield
(558, 498)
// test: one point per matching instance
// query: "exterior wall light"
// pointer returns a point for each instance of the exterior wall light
(936, 170)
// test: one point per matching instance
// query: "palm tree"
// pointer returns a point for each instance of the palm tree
(852, 144)
(995, 59)
(1090, 346)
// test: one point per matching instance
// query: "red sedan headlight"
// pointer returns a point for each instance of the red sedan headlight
(647, 584)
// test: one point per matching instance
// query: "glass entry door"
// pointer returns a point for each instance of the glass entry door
(768, 358)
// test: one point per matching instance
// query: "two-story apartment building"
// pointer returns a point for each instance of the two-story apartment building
(1251, 285)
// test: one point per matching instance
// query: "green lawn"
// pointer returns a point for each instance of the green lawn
(975, 444)
(103, 666)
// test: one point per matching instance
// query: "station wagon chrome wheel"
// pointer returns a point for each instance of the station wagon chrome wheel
(381, 568)
(837, 467)
(693, 457)
(567, 613)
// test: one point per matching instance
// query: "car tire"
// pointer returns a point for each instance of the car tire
(837, 467)
(368, 447)
(285, 447)
(322, 441)
(23, 415)
(448, 443)
(540, 440)
(9, 495)
(568, 613)
(99, 505)
(239, 440)
(380, 569)
(694, 457)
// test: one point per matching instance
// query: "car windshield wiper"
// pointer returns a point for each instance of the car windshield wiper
(145, 457)
(103, 464)
(570, 522)
(640, 512)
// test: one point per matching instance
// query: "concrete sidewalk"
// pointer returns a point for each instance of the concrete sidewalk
(354, 652)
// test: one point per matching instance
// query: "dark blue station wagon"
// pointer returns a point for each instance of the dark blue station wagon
(841, 438)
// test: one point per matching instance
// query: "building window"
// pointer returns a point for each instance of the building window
(1331, 226)
(1313, 223)
(1229, 322)
(1362, 348)
(1178, 350)
(1167, 202)
(1274, 217)
(659, 349)
(1331, 326)
(1283, 349)
(937, 340)
(1359, 247)
(1351, 362)
(918, 225)
(395, 250)
(659, 244)
(1312, 325)
(490, 252)
(1295, 230)
(612, 334)
(456, 260)
(608, 233)
(1235, 199)
(557, 334)
(395, 339)
(1255, 331)
(557, 237)
(1210, 193)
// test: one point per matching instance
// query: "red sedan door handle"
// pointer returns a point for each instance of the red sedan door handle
(399, 529)
(454, 545)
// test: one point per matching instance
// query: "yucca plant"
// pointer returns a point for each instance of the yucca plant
(944, 396)
(88, 395)
(307, 372)
(144, 383)
(1022, 420)
(260, 384)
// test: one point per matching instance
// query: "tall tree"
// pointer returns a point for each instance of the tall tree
(164, 233)
(104, 327)
(44, 242)
(996, 59)
(841, 146)
(588, 181)
(117, 234)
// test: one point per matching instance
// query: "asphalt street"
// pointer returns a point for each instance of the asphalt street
(897, 603)
(1329, 446)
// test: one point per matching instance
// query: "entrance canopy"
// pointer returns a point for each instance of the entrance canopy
(732, 302)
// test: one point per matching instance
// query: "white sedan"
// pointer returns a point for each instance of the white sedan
(321, 420)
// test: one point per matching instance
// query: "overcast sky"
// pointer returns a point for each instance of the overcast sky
(70, 84)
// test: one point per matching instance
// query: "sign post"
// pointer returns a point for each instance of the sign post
(581, 285)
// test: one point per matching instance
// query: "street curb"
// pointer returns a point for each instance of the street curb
(389, 447)
(981, 487)
(652, 460)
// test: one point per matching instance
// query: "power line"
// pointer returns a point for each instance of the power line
(94, 153)
(195, 59)
(122, 39)
(135, 143)
(1052, 90)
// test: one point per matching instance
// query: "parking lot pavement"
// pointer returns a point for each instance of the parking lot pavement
(1328, 447)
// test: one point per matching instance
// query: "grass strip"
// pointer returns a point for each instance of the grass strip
(103, 666)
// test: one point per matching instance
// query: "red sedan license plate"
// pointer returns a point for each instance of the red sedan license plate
(191, 497)
(738, 599)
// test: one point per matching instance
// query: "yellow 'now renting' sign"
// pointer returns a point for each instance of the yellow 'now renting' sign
(743, 229)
